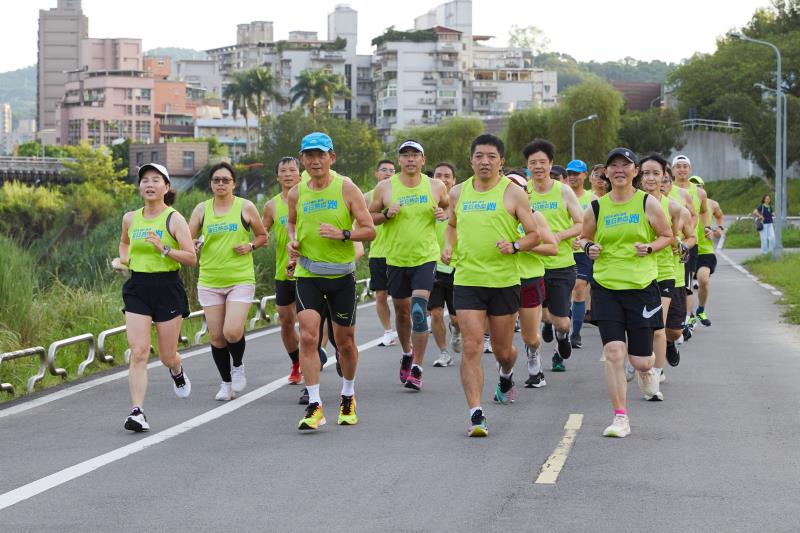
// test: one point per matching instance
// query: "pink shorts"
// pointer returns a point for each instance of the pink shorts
(209, 297)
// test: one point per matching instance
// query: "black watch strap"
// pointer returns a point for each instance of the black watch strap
(346, 235)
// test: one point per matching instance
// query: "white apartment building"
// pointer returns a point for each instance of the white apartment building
(201, 74)
(6, 145)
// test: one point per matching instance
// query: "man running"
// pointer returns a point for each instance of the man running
(485, 211)
(576, 179)
(408, 206)
(321, 215)
(597, 180)
(442, 293)
(378, 272)
(706, 259)
(560, 207)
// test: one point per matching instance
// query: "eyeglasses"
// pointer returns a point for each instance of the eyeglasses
(221, 180)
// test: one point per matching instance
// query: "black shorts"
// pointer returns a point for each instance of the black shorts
(677, 309)
(632, 309)
(338, 295)
(666, 288)
(532, 293)
(585, 266)
(404, 280)
(691, 268)
(160, 295)
(378, 274)
(285, 291)
(442, 293)
(558, 285)
(496, 301)
(707, 260)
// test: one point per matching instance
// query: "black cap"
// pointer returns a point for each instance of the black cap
(558, 170)
(627, 153)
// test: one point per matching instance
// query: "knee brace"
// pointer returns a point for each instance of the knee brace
(419, 322)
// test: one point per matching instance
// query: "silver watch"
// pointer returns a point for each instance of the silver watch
(165, 250)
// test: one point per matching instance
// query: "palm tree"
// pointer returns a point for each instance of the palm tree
(264, 85)
(314, 86)
(239, 92)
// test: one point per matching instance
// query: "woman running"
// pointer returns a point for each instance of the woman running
(227, 282)
(155, 242)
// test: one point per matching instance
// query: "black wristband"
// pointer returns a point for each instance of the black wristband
(385, 214)
(345, 234)
(515, 246)
(586, 247)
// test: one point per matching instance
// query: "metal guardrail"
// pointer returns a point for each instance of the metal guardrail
(97, 348)
(27, 352)
(708, 124)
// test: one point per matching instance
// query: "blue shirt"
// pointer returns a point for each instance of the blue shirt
(766, 212)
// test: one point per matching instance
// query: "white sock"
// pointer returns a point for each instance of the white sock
(313, 394)
(387, 332)
(659, 371)
(504, 375)
(409, 354)
(472, 410)
(417, 366)
(348, 386)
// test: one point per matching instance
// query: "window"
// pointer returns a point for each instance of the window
(93, 133)
(139, 159)
(188, 160)
(143, 130)
(145, 94)
(129, 94)
(447, 93)
(154, 157)
(142, 109)
(74, 128)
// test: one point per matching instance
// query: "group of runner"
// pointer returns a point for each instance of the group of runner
(527, 248)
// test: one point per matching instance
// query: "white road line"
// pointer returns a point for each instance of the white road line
(552, 467)
(39, 486)
(92, 383)
(743, 270)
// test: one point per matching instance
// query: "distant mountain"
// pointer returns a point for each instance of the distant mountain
(18, 88)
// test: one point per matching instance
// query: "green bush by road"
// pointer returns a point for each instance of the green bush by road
(782, 274)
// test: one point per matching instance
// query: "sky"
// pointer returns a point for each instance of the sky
(585, 29)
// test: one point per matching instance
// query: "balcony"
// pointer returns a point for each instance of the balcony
(446, 103)
(484, 86)
(388, 102)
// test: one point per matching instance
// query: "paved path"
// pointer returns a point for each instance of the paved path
(720, 454)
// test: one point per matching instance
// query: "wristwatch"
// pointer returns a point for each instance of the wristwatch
(165, 250)
(515, 245)
(252, 247)
(345, 234)
(649, 249)
(385, 213)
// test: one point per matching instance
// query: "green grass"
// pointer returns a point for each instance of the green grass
(743, 234)
(740, 197)
(781, 274)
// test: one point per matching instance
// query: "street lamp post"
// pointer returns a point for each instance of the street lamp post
(779, 175)
(585, 119)
(784, 144)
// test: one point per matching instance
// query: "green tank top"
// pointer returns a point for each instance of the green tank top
(377, 248)
(220, 265)
(482, 221)
(665, 258)
(281, 237)
(529, 264)
(411, 234)
(704, 245)
(322, 207)
(619, 226)
(143, 256)
(584, 201)
(441, 227)
(551, 205)
(680, 268)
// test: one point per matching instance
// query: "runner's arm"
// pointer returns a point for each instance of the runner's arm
(185, 253)
(269, 218)
(523, 213)
(196, 220)
(586, 239)
(124, 242)
(364, 227)
(548, 245)
(256, 224)
(658, 220)
(450, 233)
(574, 209)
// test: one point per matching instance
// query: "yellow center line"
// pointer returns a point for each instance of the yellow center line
(552, 467)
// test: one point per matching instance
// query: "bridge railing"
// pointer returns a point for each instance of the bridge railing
(708, 124)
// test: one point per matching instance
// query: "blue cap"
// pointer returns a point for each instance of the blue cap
(316, 141)
(576, 165)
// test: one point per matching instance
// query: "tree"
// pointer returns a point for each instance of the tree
(120, 153)
(34, 149)
(523, 127)
(239, 92)
(264, 88)
(314, 86)
(655, 130)
(530, 38)
(95, 166)
(447, 142)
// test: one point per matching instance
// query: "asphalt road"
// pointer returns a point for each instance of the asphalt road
(719, 454)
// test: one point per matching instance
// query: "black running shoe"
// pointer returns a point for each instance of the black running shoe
(564, 346)
(323, 358)
(303, 397)
(687, 333)
(535, 381)
(673, 355)
(547, 332)
(136, 421)
(558, 363)
(576, 341)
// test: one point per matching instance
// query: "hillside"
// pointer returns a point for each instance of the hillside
(18, 88)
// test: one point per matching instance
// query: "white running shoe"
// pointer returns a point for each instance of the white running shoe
(534, 363)
(648, 384)
(389, 339)
(136, 421)
(487, 345)
(238, 379)
(455, 340)
(619, 428)
(225, 393)
(630, 372)
(181, 384)
(445, 359)
(662, 377)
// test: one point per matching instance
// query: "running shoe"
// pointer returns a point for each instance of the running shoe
(505, 392)
(630, 372)
(136, 421)
(547, 332)
(181, 384)
(414, 380)
(389, 339)
(295, 377)
(303, 397)
(692, 322)
(687, 333)
(576, 341)
(703, 317)
(564, 346)
(487, 344)
(673, 355)
(517, 328)
(534, 363)
(405, 367)
(695, 285)
(323, 358)
(455, 340)
(445, 359)
(662, 376)
(313, 418)
(535, 381)
(238, 379)
(558, 363)
(224, 393)
(619, 428)
(347, 411)
(478, 426)
(648, 384)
